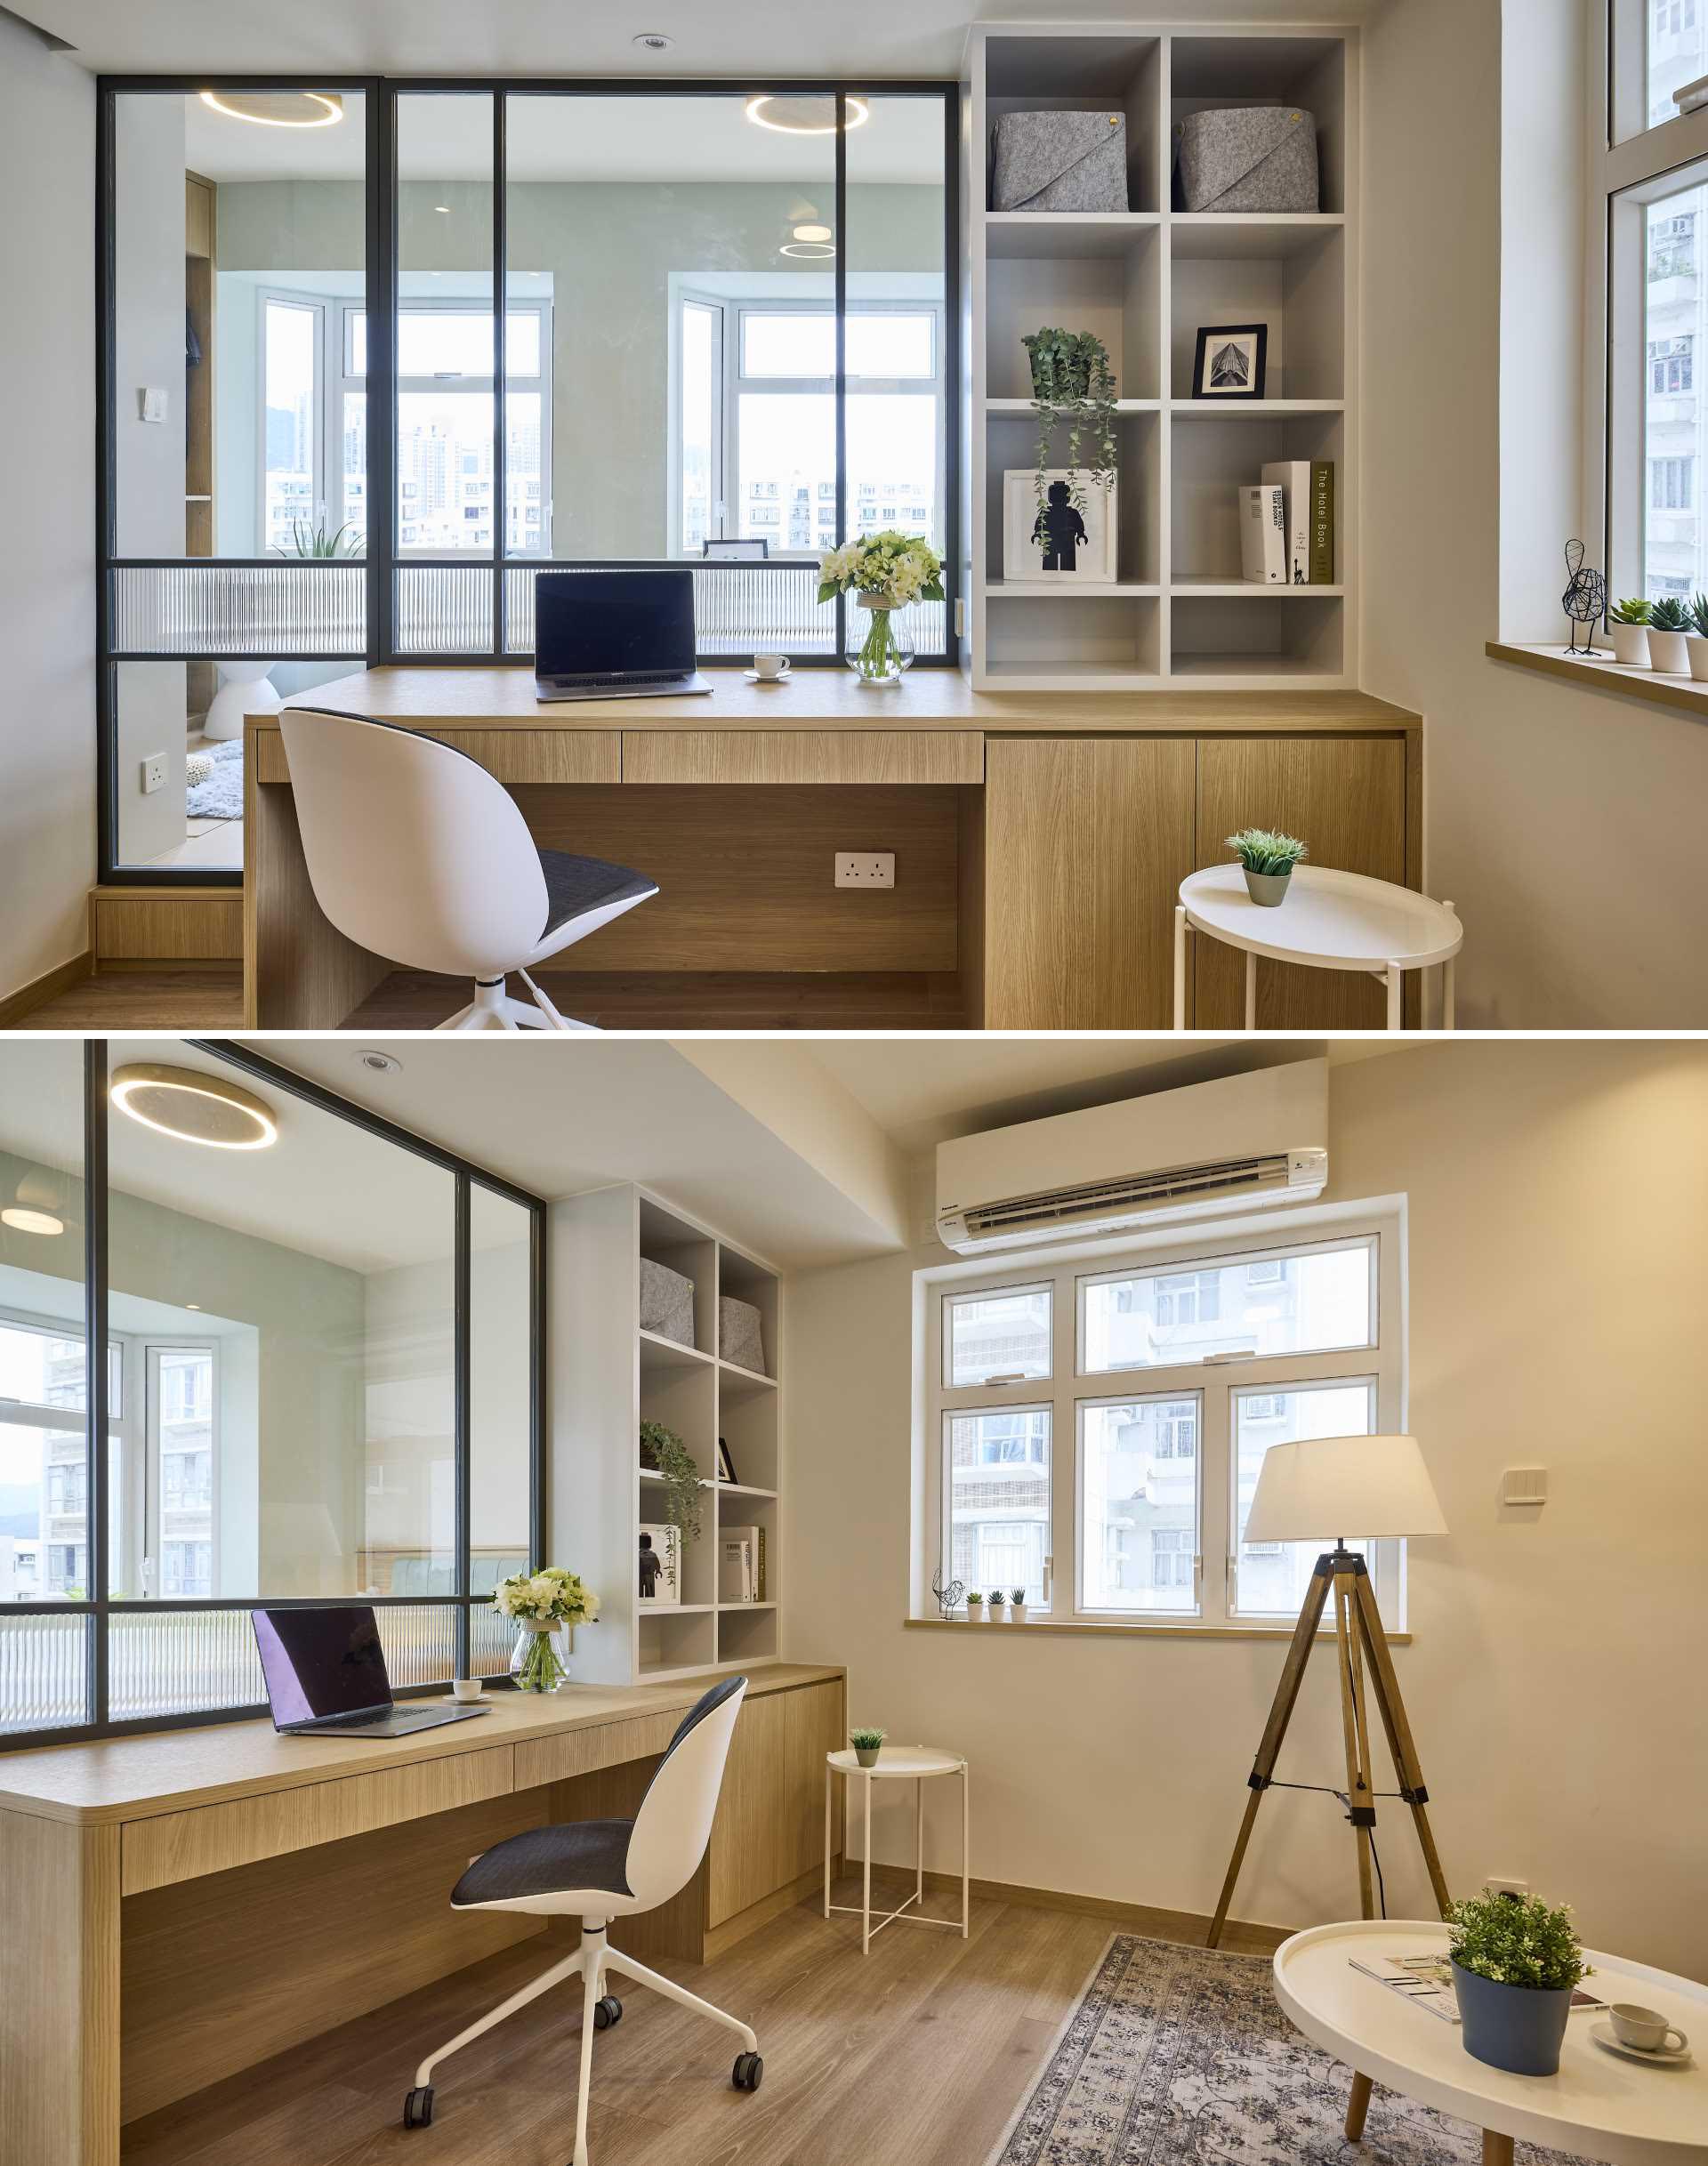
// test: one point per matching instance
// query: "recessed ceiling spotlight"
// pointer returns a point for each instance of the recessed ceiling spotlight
(279, 108)
(803, 113)
(653, 41)
(194, 1305)
(194, 1107)
(812, 233)
(444, 209)
(381, 1064)
(24, 1221)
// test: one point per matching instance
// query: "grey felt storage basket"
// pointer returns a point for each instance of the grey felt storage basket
(1060, 162)
(1247, 157)
(666, 1302)
(741, 1334)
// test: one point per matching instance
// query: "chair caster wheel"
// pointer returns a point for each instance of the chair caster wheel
(418, 2107)
(747, 2071)
(607, 2012)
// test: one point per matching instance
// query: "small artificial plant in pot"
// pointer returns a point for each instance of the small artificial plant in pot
(867, 1744)
(1629, 623)
(1072, 382)
(1515, 1962)
(1666, 623)
(975, 1607)
(1268, 859)
(662, 1451)
(994, 1602)
(1695, 643)
(1017, 1607)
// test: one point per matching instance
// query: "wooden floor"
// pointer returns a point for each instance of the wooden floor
(913, 2056)
(211, 998)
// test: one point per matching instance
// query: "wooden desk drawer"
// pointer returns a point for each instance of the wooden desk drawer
(214, 1838)
(551, 1759)
(513, 756)
(928, 756)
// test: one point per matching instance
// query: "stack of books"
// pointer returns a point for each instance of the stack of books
(741, 1565)
(1286, 524)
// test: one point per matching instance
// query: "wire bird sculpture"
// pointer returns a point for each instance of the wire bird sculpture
(1584, 600)
(948, 1593)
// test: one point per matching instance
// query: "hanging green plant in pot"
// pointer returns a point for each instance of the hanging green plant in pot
(1072, 383)
(662, 1451)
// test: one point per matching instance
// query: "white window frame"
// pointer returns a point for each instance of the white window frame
(317, 306)
(30, 1414)
(1215, 1383)
(153, 1538)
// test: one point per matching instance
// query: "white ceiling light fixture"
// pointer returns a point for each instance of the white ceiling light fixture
(816, 252)
(653, 41)
(22, 1220)
(279, 108)
(193, 1107)
(381, 1064)
(36, 1207)
(801, 114)
(812, 233)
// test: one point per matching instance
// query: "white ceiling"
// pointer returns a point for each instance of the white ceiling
(894, 38)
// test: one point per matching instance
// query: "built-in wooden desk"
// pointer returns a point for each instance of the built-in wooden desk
(174, 1908)
(1040, 841)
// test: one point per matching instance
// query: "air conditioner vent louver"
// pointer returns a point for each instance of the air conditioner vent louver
(1134, 1192)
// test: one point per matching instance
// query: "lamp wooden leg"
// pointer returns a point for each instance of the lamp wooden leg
(1352, 1731)
(1357, 2105)
(1385, 1685)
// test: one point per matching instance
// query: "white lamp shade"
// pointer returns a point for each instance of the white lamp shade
(1358, 1486)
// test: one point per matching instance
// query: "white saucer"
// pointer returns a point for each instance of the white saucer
(1609, 2040)
(753, 677)
(451, 1700)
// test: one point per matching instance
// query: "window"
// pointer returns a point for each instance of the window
(1670, 483)
(1677, 54)
(1670, 361)
(1240, 1350)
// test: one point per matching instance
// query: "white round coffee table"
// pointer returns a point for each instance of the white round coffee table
(1329, 922)
(913, 1763)
(1600, 2105)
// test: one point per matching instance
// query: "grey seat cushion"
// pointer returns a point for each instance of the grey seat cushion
(576, 885)
(548, 1861)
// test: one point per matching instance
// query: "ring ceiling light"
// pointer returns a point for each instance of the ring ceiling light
(815, 251)
(194, 1107)
(279, 108)
(801, 114)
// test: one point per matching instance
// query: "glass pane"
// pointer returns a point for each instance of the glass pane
(240, 234)
(1138, 1506)
(499, 1327)
(44, 1503)
(1678, 52)
(778, 345)
(987, 1336)
(702, 332)
(446, 489)
(998, 1506)
(888, 343)
(787, 467)
(1264, 1305)
(1673, 556)
(1273, 1575)
(292, 1308)
(192, 1661)
(44, 1673)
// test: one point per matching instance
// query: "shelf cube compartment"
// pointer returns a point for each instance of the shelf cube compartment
(685, 1399)
(1116, 294)
(676, 1639)
(681, 1247)
(1288, 634)
(1291, 278)
(1010, 441)
(747, 1635)
(747, 1423)
(1071, 74)
(1216, 453)
(1252, 66)
(1078, 634)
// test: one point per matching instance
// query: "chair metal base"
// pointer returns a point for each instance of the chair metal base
(492, 1009)
(591, 1962)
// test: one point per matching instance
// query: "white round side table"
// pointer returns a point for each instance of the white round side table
(1599, 2106)
(913, 1763)
(1329, 922)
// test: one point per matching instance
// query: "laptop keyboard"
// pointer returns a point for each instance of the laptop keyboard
(639, 676)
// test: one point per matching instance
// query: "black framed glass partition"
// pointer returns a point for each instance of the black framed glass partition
(729, 337)
(322, 1382)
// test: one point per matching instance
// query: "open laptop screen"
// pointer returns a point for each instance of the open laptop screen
(613, 623)
(321, 1662)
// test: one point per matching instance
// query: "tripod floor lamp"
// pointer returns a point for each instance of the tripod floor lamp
(1378, 1486)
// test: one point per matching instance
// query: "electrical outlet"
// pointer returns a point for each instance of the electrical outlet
(1507, 1887)
(153, 773)
(866, 868)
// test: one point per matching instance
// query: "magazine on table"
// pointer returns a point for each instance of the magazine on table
(1427, 1980)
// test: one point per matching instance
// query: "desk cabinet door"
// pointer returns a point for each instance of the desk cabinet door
(1346, 798)
(1087, 842)
(813, 1726)
(746, 1833)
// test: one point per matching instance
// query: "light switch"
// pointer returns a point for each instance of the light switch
(152, 401)
(1525, 1486)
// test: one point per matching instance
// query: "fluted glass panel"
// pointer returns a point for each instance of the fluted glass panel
(274, 610)
(736, 608)
(444, 609)
(43, 1667)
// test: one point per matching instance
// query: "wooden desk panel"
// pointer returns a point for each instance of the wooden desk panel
(554, 1759)
(812, 756)
(513, 756)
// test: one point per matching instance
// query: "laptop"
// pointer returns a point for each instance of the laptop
(325, 1673)
(615, 635)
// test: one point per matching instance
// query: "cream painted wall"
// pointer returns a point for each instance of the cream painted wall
(47, 634)
(1558, 1279)
(1562, 822)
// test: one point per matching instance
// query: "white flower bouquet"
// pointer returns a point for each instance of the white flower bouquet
(886, 571)
(541, 1603)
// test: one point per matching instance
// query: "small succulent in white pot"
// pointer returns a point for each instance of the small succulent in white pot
(1017, 1607)
(994, 1602)
(1628, 623)
(867, 1744)
(1695, 641)
(1269, 857)
(1666, 623)
(975, 1609)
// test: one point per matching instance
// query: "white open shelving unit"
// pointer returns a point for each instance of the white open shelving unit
(1145, 280)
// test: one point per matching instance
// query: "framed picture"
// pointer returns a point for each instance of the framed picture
(1065, 544)
(660, 1567)
(1231, 361)
(736, 549)
(726, 1465)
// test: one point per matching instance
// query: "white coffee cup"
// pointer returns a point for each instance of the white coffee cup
(770, 668)
(465, 1688)
(1644, 2029)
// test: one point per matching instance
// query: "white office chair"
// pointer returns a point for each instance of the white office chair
(414, 851)
(596, 1869)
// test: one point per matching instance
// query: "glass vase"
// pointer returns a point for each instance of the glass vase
(880, 646)
(536, 1664)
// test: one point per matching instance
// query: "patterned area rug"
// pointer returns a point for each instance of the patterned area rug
(1180, 2057)
(219, 796)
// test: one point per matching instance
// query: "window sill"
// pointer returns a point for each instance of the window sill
(1281, 1629)
(1600, 673)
